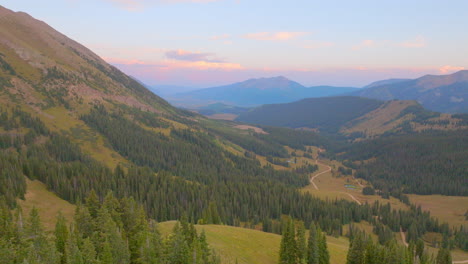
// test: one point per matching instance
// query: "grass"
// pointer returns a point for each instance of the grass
(450, 209)
(90, 142)
(48, 204)
(252, 246)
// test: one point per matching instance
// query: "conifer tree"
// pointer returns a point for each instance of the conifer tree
(443, 256)
(324, 255)
(288, 247)
(301, 243)
(61, 237)
(313, 245)
(356, 253)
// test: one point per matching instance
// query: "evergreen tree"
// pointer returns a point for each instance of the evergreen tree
(61, 237)
(443, 256)
(288, 246)
(313, 245)
(324, 255)
(356, 253)
(301, 243)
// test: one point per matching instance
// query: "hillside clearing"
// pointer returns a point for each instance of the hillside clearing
(250, 246)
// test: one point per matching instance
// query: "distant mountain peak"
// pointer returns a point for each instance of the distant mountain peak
(443, 93)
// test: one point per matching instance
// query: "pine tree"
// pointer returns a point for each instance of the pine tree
(38, 248)
(313, 245)
(92, 203)
(61, 237)
(356, 253)
(443, 256)
(152, 246)
(324, 255)
(288, 247)
(301, 243)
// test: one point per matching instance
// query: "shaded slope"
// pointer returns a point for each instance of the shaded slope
(326, 114)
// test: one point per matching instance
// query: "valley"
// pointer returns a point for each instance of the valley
(97, 169)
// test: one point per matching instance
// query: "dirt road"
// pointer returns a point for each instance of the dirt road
(318, 174)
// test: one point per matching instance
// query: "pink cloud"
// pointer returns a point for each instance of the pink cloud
(275, 36)
(450, 69)
(417, 42)
(368, 43)
(206, 74)
(137, 5)
(184, 55)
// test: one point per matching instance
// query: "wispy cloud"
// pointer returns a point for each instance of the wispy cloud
(367, 43)
(417, 42)
(184, 55)
(275, 36)
(136, 5)
(224, 38)
(449, 69)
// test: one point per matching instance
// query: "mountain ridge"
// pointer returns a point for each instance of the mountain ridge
(441, 93)
(257, 91)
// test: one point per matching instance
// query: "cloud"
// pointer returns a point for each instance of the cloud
(368, 43)
(183, 55)
(417, 42)
(275, 36)
(137, 5)
(449, 69)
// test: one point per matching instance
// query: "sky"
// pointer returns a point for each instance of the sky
(205, 43)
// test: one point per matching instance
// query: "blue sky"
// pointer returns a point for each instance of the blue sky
(203, 43)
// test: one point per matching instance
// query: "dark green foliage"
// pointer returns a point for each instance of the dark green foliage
(384, 233)
(294, 249)
(443, 256)
(420, 114)
(427, 163)
(288, 248)
(186, 153)
(327, 114)
(297, 139)
(118, 234)
(368, 190)
(364, 250)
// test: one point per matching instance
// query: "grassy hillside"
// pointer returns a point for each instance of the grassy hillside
(48, 204)
(248, 246)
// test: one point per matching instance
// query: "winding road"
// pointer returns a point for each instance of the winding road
(320, 173)
(403, 236)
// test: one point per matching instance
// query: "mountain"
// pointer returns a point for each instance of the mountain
(327, 113)
(99, 140)
(441, 93)
(256, 92)
(83, 128)
(385, 82)
(220, 108)
(353, 116)
(168, 90)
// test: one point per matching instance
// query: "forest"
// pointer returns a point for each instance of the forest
(230, 190)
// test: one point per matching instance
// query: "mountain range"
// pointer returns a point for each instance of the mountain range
(357, 117)
(256, 92)
(441, 93)
(74, 128)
